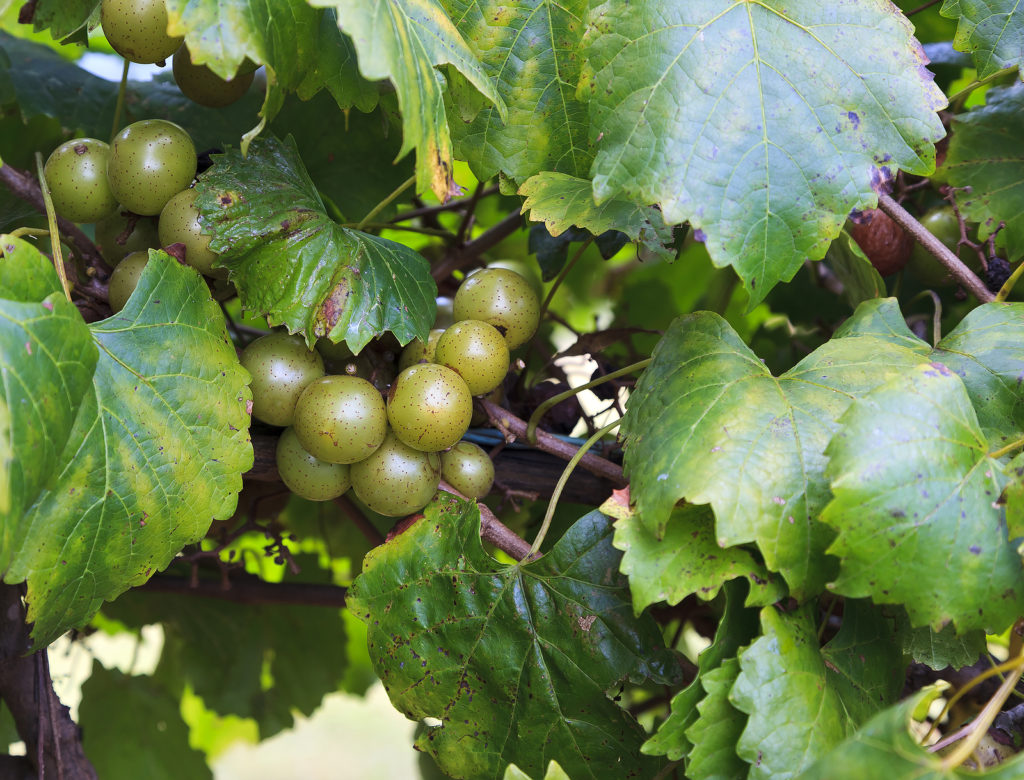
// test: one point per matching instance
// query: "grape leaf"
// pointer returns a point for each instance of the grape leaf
(515, 660)
(992, 31)
(403, 40)
(861, 282)
(762, 124)
(1013, 498)
(335, 67)
(153, 456)
(938, 649)
(985, 156)
(914, 498)
(717, 729)
(291, 262)
(62, 17)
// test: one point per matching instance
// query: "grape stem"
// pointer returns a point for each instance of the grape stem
(51, 219)
(452, 205)
(493, 530)
(562, 274)
(249, 589)
(459, 257)
(386, 202)
(120, 101)
(1008, 285)
(936, 315)
(956, 101)
(1002, 451)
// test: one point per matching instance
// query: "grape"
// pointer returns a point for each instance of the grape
(150, 162)
(467, 468)
(476, 352)
(396, 479)
(201, 85)
(341, 419)
(501, 298)
(142, 236)
(125, 279)
(885, 243)
(137, 29)
(944, 225)
(418, 352)
(281, 366)
(306, 475)
(429, 407)
(179, 222)
(76, 173)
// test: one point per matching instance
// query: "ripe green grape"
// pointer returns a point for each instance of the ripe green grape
(150, 162)
(137, 29)
(201, 85)
(396, 479)
(341, 419)
(944, 225)
(125, 279)
(179, 222)
(76, 173)
(142, 234)
(306, 475)
(281, 366)
(501, 298)
(418, 352)
(476, 352)
(530, 271)
(467, 468)
(429, 407)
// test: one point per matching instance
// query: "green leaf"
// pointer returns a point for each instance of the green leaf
(335, 68)
(114, 708)
(291, 262)
(554, 772)
(153, 456)
(762, 124)
(26, 275)
(717, 730)
(403, 40)
(939, 649)
(861, 282)
(914, 498)
(1013, 497)
(515, 660)
(985, 156)
(992, 31)
(62, 17)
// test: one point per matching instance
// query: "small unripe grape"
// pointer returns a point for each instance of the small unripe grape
(150, 162)
(467, 468)
(179, 222)
(137, 29)
(396, 479)
(429, 407)
(281, 366)
(476, 352)
(341, 419)
(142, 235)
(501, 298)
(201, 85)
(308, 476)
(125, 279)
(76, 173)
(418, 352)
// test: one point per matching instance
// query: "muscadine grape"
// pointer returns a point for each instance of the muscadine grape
(429, 407)
(125, 279)
(476, 352)
(418, 352)
(137, 29)
(941, 222)
(341, 419)
(201, 85)
(306, 475)
(501, 298)
(396, 479)
(467, 468)
(281, 366)
(76, 173)
(885, 243)
(142, 234)
(150, 162)
(179, 222)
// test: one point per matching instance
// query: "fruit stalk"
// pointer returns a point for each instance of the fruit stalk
(51, 220)
(493, 530)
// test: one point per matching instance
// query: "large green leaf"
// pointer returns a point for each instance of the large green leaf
(153, 456)
(516, 661)
(938, 649)
(291, 262)
(717, 730)
(763, 124)
(62, 17)
(992, 31)
(915, 498)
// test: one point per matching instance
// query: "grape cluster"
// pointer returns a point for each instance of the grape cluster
(342, 432)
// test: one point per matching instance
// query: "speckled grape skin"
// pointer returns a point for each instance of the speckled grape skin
(501, 298)
(429, 407)
(281, 368)
(201, 85)
(150, 162)
(76, 173)
(341, 419)
(476, 352)
(125, 279)
(143, 236)
(308, 476)
(137, 29)
(467, 468)
(396, 480)
(179, 222)
(418, 352)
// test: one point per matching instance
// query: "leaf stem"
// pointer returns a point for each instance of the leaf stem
(1013, 445)
(936, 316)
(951, 702)
(27, 231)
(120, 101)
(51, 219)
(1007, 288)
(386, 202)
(956, 100)
(562, 274)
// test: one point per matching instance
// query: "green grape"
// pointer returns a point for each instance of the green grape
(529, 270)
(179, 222)
(467, 468)
(76, 173)
(476, 352)
(142, 234)
(125, 279)
(926, 268)
(429, 407)
(341, 419)
(308, 476)
(150, 162)
(396, 479)
(201, 85)
(137, 29)
(501, 298)
(418, 352)
(281, 366)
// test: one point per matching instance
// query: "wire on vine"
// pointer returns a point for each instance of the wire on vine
(51, 220)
